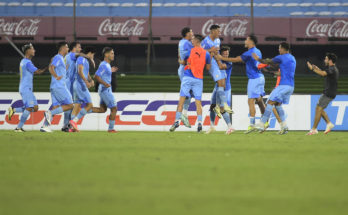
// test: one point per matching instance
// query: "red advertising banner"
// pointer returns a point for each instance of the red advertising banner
(166, 30)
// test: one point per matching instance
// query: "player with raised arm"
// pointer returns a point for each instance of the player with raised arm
(225, 69)
(26, 71)
(256, 83)
(184, 48)
(211, 43)
(331, 74)
(82, 83)
(281, 94)
(107, 99)
(61, 97)
(198, 60)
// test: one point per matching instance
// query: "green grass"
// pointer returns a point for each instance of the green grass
(152, 173)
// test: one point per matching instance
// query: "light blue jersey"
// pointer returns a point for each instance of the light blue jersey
(60, 69)
(287, 65)
(71, 70)
(84, 62)
(184, 50)
(26, 70)
(104, 72)
(214, 71)
(251, 64)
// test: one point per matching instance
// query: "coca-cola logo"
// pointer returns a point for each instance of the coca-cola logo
(131, 27)
(338, 28)
(24, 27)
(234, 28)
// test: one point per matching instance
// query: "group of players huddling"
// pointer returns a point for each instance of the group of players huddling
(70, 82)
(197, 54)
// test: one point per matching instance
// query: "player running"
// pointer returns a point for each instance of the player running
(225, 69)
(103, 76)
(193, 80)
(82, 82)
(256, 83)
(330, 90)
(61, 97)
(211, 43)
(281, 94)
(27, 70)
(184, 48)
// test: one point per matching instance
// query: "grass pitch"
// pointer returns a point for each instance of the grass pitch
(177, 173)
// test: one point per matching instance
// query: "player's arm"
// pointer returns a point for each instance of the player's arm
(222, 66)
(80, 72)
(85, 56)
(264, 61)
(230, 59)
(101, 81)
(52, 68)
(90, 80)
(316, 69)
(30, 66)
(208, 58)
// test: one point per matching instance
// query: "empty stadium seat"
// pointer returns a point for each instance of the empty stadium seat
(263, 8)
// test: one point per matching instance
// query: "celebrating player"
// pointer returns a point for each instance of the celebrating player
(330, 90)
(193, 80)
(225, 69)
(103, 76)
(27, 70)
(256, 81)
(185, 46)
(211, 43)
(61, 97)
(82, 83)
(281, 94)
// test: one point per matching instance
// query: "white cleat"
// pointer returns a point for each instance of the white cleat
(312, 132)
(230, 131)
(45, 129)
(210, 130)
(48, 117)
(328, 128)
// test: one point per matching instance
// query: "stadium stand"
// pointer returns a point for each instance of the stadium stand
(263, 8)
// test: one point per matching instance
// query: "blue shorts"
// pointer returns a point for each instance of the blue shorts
(107, 98)
(81, 94)
(61, 96)
(181, 71)
(227, 93)
(28, 99)
(282, 94)
(256, 87)
(191, 84)
(215, 72)
(70, 86)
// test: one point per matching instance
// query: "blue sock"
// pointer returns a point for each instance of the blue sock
(199, 118)
(24, 118)
(267, 114)
(187, 103)
(67, 115)
(82, 113)
(57, 111)
(281, 113)
(227, 118)
(252, 120)
(177, 116)
(19, 110)
(111, 124)
(222, 96)
(212, 118)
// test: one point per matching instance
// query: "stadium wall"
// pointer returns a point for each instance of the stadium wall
(156, 112)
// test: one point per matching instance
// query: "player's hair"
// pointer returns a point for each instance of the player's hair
(331, 56)
(285, 46)
(198, 37)
(213, 27)
(73, 45)
(106, 50)
(26, 47)
(184, 31)
(89, 49)
(61, 44)
(253, 38)
(225, 48)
